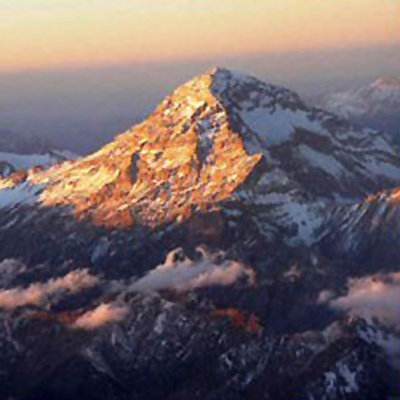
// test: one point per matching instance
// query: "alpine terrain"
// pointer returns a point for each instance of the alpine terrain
(236, 244)
(376, 105)
(18, 153)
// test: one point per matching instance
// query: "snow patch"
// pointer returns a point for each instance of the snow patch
(276, 127)
(24, 193)
(321, 160)
(27, 161)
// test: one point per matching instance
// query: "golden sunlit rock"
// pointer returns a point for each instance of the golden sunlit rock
(186, 156)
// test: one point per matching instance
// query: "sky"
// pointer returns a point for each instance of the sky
(46, 34)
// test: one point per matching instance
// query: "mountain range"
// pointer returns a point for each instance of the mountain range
(375, 105)
(19, 153)
(221, 249)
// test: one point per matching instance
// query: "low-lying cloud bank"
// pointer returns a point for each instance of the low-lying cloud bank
(181, 273)
(376, 296)
(37, 293)
(101, 315)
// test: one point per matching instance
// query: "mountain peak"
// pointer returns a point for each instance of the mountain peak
(221, 73)
(184, 158)
(387, 81)
(242, 102)
(237, 89)
(218, 72)
(375, 105)
(211, 142)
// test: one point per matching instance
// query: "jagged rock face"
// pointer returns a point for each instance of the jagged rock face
(161, 348)
(366, 233)
(325, 155)
(178, 345)
(219, 138)
(184, 158)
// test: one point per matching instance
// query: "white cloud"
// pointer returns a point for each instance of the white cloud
(376, 296)
(38, 292)
(101, 315)
(185, 274)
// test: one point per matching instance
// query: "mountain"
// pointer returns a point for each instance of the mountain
(367, 232)
(18, 153)
(376, 105)
(202, 255)
(224, 140)
(12, 162)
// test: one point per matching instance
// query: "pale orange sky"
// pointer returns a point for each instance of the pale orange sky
(61, 33)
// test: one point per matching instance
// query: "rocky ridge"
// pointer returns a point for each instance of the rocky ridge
(223, 138)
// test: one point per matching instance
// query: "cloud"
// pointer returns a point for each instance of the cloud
(37, 293)
(376, 296)
(101, 315)
(181, 273)
(325, 296)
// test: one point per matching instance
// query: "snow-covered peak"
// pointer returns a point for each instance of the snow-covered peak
(224, 81)
(375, 105)
(386, 82)
(237, 89)
(232, 90)
(224, 136)
(385, 90)
(380, 93)
(11, 162)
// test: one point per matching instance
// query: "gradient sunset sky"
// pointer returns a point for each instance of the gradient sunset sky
(42, 34)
